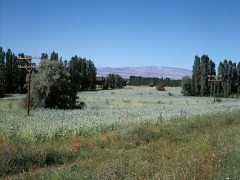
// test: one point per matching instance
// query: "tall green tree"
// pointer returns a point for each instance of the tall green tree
(54, 56)
(234, 78)
(16, 74)
(220, 84)
(92, 73)
(212, 72)
(2, 72)
(204, 76)
(22, 74)
(225, 78)
(9, 72)
(44, 56)
(238, 78)
(84, 76)
(196, 76)
(74, 70)
(229, 78)
(83, 73)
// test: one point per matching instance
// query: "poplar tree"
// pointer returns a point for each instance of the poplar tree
(238, 78)
(16, 73)
(212, 71)
(220, 84)
(196, 75)
(204, 75)
(234, 78)
(9, 72)
(74, 70)
(54, 56)
(91, 75)
(2, 72)
(44, 56)
(22, 74)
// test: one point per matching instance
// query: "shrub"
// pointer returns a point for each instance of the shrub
(151, 84)
(186, 86)
(160, 87)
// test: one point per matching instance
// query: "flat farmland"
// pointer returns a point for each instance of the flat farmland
(110, 108)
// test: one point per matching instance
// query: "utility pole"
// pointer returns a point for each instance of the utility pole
(29, 67)
(214, 79)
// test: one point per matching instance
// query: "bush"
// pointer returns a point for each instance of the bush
(160, 87)
(186, 86)
(151, 84)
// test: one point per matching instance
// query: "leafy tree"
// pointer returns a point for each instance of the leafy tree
(54, 56)
(204, 75)
(83, 73)
(229, 78)
(22, 74)
(238, 78)
(16, 73)
(2, 72)
(91, 71)
(186, 86)
(52, 88)
(196, 75)
(74, 70)
(225, 78)
(212, 71)
(9, 72)
(234, 78)
(44, 56)
(84, 76)
(113, 81)
(220, 72)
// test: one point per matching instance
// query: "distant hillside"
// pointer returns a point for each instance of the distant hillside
(145, 71)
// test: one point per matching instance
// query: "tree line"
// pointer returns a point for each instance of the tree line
(153, 81)
(12, 79)
(82, 72)
(227, 74)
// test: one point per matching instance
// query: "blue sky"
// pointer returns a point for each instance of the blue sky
(117, 33)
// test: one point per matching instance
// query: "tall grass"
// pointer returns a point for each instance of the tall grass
(196, 148)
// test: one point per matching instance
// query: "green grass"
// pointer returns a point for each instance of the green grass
(196, 148)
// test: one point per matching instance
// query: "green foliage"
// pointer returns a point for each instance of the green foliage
(53, 57)
(230, 78)
(204, 91)
(114, 81)
(147, 81)
(52, 88)
(196, 75)
(2, 72)
(83, 73)
(186, 86)
(22, 74)
(230, 75)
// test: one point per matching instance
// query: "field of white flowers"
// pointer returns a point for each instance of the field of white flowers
(107, 109)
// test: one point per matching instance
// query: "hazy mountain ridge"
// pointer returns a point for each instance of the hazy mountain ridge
(146, 71)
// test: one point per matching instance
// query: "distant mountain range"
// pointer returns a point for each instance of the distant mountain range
(145, 71)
